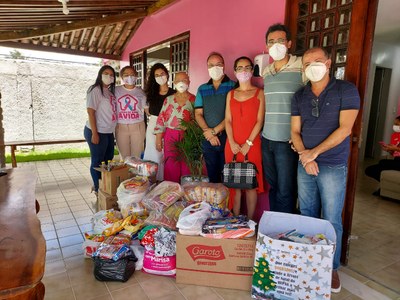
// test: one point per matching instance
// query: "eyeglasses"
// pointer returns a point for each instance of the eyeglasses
(245, 68)
(272, 42)
(315, 110)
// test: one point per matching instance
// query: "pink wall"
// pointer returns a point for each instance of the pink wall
(231, 27)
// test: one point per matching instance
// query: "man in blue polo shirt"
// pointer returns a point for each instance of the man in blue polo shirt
(323, 115)
(210, 115)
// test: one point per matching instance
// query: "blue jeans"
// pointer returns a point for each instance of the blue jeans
(215, 158)
(280, 171)
(323, 195)
(103, 151)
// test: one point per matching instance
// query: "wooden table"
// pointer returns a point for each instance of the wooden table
(22, 245)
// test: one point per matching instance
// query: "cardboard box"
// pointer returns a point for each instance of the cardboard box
(225, 263)
(289, 270)
(106, 201)
(110, 180)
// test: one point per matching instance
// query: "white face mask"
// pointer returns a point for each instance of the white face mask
(216, 72)
(277, 51)
(316, 71)
(107, 79)
(181, 87)
(161, 80)
(396, 128)
(130, 80)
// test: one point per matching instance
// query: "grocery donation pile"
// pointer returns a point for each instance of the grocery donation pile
(137, 230)
(186, 231)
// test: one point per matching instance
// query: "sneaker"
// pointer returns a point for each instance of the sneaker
(335, 286)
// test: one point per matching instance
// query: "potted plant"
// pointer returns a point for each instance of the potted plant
(189, 149)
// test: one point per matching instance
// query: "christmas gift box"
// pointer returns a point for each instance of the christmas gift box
(284, 269)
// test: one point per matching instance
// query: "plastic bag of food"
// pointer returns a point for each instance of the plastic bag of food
(134, 209)
(91, 244)
(192, 218)
(159, 265)
(109, 270)
(142, 167)
(167, 218)
(162, 196)
(132, 190)
(164, 242)
(105, 219)
(113, 252)
(216, 194)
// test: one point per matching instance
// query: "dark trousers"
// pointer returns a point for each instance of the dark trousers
(280, 171)
(375, 171)
(103, 151)
(215, 158)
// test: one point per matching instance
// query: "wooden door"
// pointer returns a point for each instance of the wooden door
(345, 28)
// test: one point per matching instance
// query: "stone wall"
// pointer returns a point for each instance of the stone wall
(44, 100)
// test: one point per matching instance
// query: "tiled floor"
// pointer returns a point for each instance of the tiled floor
(66, 208)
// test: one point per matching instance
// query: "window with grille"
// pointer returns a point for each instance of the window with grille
(173, 53)
(325, 23)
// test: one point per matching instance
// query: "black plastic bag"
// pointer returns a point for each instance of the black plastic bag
(109, 270)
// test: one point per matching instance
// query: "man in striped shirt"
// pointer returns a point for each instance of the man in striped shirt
(323, 115)
(282, 79)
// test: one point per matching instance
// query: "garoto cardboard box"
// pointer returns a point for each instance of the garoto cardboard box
(290, 270)
(225, 263)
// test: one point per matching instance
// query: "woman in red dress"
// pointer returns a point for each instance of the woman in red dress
(244, 118)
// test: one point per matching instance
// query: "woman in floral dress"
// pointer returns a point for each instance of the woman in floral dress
(175, 108)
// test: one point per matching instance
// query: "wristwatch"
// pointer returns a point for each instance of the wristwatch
(213, 132)
(250, 143)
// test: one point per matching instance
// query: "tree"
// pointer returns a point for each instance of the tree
(263, 277)
(15, 54)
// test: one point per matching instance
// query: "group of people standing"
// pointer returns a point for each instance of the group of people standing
(296, 131)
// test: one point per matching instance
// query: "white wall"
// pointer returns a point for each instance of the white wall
(386, 56)
(44, 100)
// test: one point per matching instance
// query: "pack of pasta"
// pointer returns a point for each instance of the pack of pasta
(216, 194)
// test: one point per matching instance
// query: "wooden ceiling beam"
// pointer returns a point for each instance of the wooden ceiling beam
(9, 36)
(59, 50)
(160, 4)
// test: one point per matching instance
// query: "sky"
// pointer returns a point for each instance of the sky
(51, 55)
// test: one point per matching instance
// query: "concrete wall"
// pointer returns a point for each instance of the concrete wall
(44, 100)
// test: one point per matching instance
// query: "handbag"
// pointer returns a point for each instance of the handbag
(240, 175)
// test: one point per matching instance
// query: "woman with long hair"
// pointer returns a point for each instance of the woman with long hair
(156, 91)
(244, 118)
(102, 118)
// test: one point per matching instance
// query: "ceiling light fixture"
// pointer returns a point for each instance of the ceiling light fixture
(65, 8)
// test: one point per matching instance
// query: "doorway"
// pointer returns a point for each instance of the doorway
(376, 123)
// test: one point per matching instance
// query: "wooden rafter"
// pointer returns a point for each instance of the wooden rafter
(9, 36)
